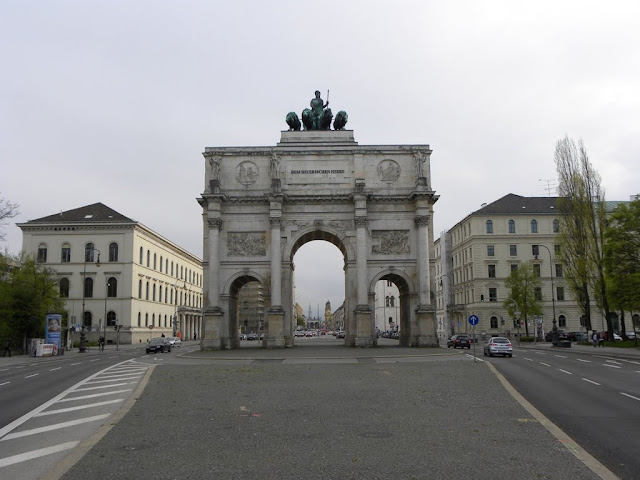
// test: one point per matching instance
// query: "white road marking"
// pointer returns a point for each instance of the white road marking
(23, 457)
(585, 361)
(560, 356)
(94, 360)
(528, 359)
(57, 368)
(56, 426)
(94, 395)
(81, 407)
(75, 364)
(103, 386)
(609, 365)
(34, 375)
(590, 381)
(545, 364)
(630, 396)
(5, 383)
(477, 358)
(565, 371)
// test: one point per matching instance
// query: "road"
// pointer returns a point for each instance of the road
(593, 397)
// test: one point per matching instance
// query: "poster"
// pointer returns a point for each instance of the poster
(53, 331)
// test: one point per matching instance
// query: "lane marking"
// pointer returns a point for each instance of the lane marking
(99, 387)
(611, 366)
(560, 356)
(23, 457)
(56, 426)
(95, 360)
(57, 368)
(565, 371)
(75, 364)
(471, 356)
(545, 364)
(5, 383)
(591, 381)
(113, 380)
(630, 396)
(528, 359)
(94, 395)
(33, 375)
(582, 360)
(81, 407)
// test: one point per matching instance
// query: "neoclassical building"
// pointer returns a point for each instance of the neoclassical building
(112, 268)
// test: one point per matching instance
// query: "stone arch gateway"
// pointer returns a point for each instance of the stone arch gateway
(261, 204)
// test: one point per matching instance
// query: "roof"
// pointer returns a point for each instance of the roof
(96, 213)
(516, 204)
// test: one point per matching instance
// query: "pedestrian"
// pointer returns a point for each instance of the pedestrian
(7, 348)
(195, 336)
(101, 343)
(601, 340)
(595, 339)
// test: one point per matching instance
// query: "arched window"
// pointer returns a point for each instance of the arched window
(111, 319)
(160, 293)
(172, 269)
(89, 251)
(172, 296)
(494, 322)
(489, 226)
(139, 288)
(556, 226)
(141, 255)
(386, 302)
(160, 263)
(393, 301)
(512, 226)
(139, 319)
(166, 265)
(42, 253)
(88, 287)
(113, 252)
(64, 288)
(65, 253)
(86, 321)
(112, 287)
(154, 293)
(148, 258)
(153, 320)
(155, 261)
(534, 226)
(146, 319)
(147, 292)
(562, 321)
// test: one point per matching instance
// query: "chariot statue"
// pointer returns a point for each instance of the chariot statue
(318, 117)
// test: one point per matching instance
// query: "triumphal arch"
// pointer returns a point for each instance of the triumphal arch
(261, 204)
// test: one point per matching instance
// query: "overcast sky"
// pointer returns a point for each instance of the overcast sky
(114, 102)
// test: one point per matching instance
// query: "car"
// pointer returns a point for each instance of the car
(631, 335)
(561, 335)
(617, 338)
(395, 335)
(461, 341)
(498, 346)
(340, 334)
(298, 333)
(252, 336)
(242, 336)
(174, 341)
(308, 333)
(158, 344)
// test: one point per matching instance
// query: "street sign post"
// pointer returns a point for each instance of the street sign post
(473, 321)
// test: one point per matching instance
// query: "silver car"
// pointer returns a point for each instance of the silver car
(174, 341)
(498, 346)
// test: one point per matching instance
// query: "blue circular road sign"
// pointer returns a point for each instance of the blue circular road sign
(473, 320)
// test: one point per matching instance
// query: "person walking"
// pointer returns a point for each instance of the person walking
(601, 340)
(594, 339)
(7, 348)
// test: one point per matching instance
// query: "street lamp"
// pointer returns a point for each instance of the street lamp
(516, 314)
(554, 335)
(175, 316)
(83, 347)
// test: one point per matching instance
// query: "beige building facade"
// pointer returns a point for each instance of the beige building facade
(115, 272)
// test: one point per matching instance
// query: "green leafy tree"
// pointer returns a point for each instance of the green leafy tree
(581, 205)
(28, 291)
(622, 258)
(522, 284)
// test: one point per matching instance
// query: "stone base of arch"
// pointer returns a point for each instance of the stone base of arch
(214, 334)
(363, 334)
(424, 333)
(275, 331)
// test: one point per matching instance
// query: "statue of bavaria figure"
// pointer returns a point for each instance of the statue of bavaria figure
(318, 117)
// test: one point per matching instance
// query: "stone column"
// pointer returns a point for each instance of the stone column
(361, 259)
(424, 331)
(276, 263)
(274, 335)
(364, 334)
(215, 334)
(215, 224)
(422, 222)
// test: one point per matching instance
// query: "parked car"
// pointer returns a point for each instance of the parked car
(631, 335)
(298, 333)
(498, 346)
(395, 335)
(174, 341)
(617, 338)
(252, 336)
(561, 335)
(340, 334)
(461, 341)
(158, 344)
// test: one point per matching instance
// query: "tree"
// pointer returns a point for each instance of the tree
(622, 258)
(522, 284)
(28, 291)
(7, 210)
(581, 204)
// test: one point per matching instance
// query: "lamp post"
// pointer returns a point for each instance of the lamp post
(83, 347)
(104, 337)
(516, 314)
(175, 316)
(554, 334)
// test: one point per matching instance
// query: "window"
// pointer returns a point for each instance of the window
(493, 294)
(560, 293)
(536, 270)
(147, 291)
(556, 250)
(513, 250)
(389, 283)
(65, 253)
(514, 267)
(559, 272)
(491, 251)
(534, 226)
(492, 271)
(172, 269)
(113, 252)
(562, 321)
(64, 288)
(154, 293)
(86, 321)
(111, 319)
(139, 319)
(148, 258)
(556, 226)
(535, 251)
(537, 293)
(494, 322)
(88, 287)
(141, 255)
(489, 226)
(393, 300)
(89, 251)
(146, 319)
(42, 254)
(139, 288)
(112, 287)
(155, 261)
(160, 263)
(512, 226)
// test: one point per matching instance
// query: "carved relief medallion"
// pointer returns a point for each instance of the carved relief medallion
(246, 244)
(247, 173)
(388, 171)
(390, 242)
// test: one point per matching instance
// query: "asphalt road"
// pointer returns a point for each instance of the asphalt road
(592, 397)
(331, 417)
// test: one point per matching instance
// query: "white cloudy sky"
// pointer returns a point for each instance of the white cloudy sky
(114, 101)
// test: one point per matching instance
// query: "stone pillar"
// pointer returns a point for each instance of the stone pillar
(215, 225)
(424, 330)
(361, 259)
(364, 334)
(274, 335)
(215, 334)
(422, 224)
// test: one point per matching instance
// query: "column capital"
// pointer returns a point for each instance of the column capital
(215, 223)
(275, 222)
(422, 220)
(361, 221)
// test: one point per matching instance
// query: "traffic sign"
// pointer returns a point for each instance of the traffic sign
(473, 320)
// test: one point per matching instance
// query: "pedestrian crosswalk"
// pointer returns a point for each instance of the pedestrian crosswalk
(31, 445)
